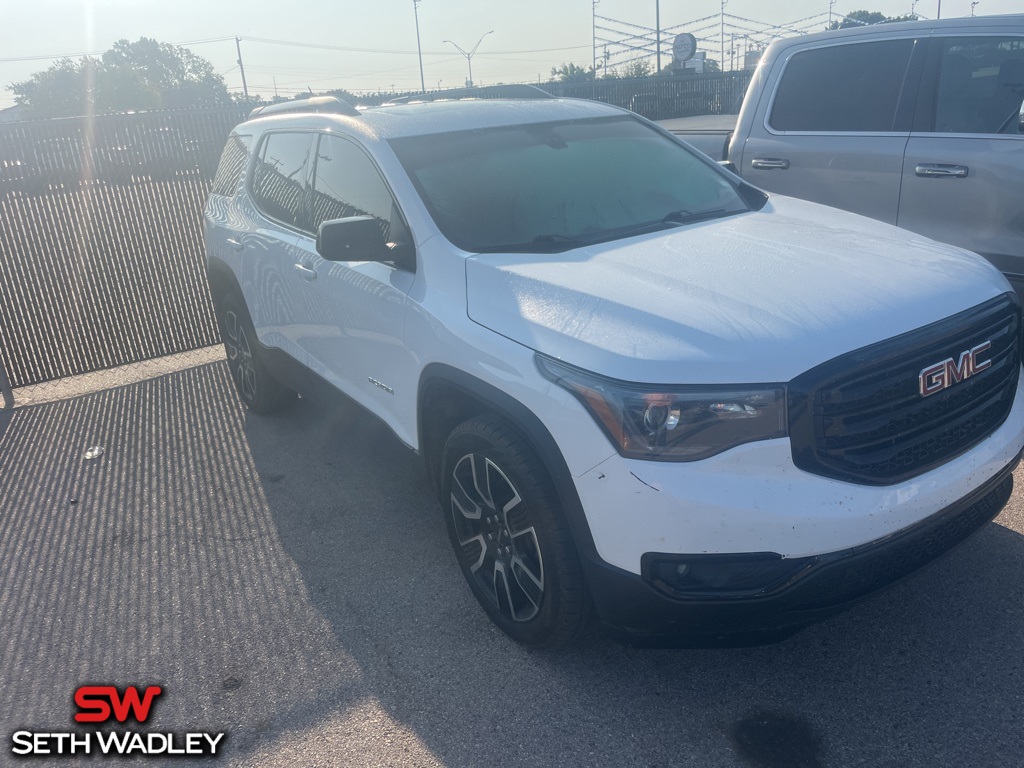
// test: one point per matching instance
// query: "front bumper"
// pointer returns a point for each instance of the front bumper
(635, 608)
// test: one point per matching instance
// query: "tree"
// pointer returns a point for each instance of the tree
(638, 68)
(145, 74)
(572, 73)
(865, 18)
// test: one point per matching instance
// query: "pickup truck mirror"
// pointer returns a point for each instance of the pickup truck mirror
(355, 238)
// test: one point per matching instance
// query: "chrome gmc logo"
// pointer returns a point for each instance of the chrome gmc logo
(939, 376)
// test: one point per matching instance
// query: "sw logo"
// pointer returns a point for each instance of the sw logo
(103, 703)
(97, 702)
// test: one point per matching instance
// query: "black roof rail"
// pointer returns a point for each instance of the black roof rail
(328, 104)
(511, 91)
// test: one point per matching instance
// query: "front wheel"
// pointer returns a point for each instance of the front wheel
(509, 535)
(259, 390)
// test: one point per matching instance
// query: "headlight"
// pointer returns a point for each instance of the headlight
(676, 423)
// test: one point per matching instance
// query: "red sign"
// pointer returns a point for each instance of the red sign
(98, 702)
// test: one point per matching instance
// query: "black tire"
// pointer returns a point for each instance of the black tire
(258, 389)
(509, 535)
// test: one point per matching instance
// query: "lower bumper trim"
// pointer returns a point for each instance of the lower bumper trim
(824, 586)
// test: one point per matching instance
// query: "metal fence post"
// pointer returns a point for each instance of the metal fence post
(5, 387)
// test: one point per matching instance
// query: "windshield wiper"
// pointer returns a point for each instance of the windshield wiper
(555, 241)
(539, 244)
(685, 217)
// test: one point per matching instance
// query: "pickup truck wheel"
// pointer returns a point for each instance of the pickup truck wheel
(260, 392)
(509, 536)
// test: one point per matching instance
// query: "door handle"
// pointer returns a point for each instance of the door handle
(769, 163)
(307, 273)
(236, 245)
(941, 171)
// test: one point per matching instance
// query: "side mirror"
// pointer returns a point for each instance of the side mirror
(356, 238)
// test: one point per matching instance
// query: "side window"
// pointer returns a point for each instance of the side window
(232, 163)
(843, 88)
(981, 85)
(279, 177)
(347, 183)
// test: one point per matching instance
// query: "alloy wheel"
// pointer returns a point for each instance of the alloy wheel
(497, 540)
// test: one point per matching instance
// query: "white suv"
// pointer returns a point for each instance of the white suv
(639, 384)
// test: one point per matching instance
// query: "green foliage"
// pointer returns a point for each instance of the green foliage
(863, 18)
(145, 74)
(572, 73)
(638, 68)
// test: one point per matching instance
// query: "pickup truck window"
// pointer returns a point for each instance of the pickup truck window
(981, 85)
(550, 187)
(851, 88)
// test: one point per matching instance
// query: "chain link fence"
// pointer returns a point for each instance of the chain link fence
(663, 98)
(101, 245)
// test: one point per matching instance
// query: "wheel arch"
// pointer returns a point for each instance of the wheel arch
(222, 280)
(448, 396)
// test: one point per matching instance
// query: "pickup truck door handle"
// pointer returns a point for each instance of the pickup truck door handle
(941, 171)
(307, 273)
(236, 245)
(769, 163)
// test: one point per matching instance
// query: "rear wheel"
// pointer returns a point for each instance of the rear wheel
(259, 390)
(509, 536)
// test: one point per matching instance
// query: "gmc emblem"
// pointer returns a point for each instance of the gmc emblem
(939, 376)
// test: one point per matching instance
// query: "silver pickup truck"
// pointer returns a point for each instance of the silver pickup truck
(919, 124)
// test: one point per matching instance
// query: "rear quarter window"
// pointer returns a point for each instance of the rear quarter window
(851, 88)
(232, 164)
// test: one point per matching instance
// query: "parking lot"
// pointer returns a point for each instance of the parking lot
(289, 581)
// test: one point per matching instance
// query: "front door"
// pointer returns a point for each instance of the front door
(354, 316)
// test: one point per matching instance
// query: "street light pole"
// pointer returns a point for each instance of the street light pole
(657, 35)
(419, 50)
(469, 56)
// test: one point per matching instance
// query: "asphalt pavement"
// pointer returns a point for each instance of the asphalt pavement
(288, 581)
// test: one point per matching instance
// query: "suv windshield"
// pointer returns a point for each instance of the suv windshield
(550, 187)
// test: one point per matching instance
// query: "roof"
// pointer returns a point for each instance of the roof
(924, 26)
(417, 119)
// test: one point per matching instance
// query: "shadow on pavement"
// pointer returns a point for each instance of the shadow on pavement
(289, 580)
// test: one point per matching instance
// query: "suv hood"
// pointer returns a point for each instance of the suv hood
(759, 297)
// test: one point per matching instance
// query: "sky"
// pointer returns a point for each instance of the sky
(370, 46)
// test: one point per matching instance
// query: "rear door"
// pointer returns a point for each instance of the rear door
(278, 188)
(963, 174)
(836, 124)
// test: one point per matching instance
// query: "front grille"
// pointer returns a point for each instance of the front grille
(861, 417)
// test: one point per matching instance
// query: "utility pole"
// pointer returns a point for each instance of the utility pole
(938, 12)
(975, 3)
(657, 35)
(238, 47)
(831, 5)
(419, 50)
(593, 33)
(721, 58)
